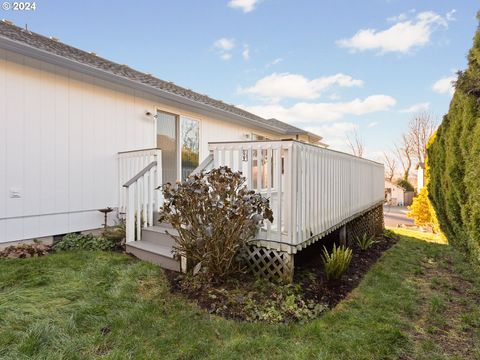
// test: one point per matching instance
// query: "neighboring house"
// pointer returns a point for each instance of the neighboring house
(420, 176)
(394, 194)
(80, 133)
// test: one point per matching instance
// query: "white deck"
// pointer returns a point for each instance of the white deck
(312, 190)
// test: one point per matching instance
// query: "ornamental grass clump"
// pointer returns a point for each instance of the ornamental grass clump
(364, 242)
(336, 264)
(215, 215)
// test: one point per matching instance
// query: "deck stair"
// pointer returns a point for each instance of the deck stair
(156, 246)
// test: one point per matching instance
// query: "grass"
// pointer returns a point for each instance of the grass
(425, 236)
(417, 302)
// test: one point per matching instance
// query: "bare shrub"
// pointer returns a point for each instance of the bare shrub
(215, 215)
(25, 250)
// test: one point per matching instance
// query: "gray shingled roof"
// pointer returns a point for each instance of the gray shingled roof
(52, 45)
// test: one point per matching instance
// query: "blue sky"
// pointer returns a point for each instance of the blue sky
(328, 66)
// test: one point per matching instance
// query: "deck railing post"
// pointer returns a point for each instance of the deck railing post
(158, 181)
(140, 173)
(130, 218)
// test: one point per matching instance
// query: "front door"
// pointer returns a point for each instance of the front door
(167, 129)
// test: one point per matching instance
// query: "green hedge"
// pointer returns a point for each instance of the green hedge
(455, 161)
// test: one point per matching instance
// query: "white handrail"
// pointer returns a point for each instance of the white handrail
(140, 199)
(206, 164)
(311, 189)
(129, 164)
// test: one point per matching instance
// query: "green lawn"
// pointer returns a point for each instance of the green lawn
(419, 302)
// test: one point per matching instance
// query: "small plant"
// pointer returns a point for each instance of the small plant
(25, 250)
(282, 308)
(215, 215)
(364, 242)
(336, 264)
(258, 301)
(75, 241)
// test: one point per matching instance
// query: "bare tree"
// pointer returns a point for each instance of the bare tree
(420, 130)
(357, 145)
(405, 153)
(390, 166)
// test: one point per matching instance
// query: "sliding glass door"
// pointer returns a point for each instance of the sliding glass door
(167, 142)
(176, 135)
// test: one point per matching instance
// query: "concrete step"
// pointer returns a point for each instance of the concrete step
(154, 253)
(158, 235)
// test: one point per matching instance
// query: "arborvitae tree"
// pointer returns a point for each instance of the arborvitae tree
(455, 161)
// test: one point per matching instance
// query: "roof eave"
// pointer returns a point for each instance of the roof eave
(49, 57)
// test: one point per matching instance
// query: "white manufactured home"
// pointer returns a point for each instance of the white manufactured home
(79, 133)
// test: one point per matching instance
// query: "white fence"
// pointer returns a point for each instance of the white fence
(140, 173)
(312, 190)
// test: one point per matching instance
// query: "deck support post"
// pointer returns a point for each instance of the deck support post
(343, 235)
(287, 277)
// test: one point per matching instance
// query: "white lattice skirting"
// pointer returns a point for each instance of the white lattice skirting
(270, 264)
(278, 265)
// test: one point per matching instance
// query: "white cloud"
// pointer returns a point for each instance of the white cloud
(224, 44)
(286, 85)
(303, 112)
(334, 134)
(444, 85)
(223, 47)
(401, 17)
(417, 108)
(246, 52)
(451, 15)
(398, 18)
(401, 37)
(373, 124)
(375, 155)
(244, 5)
(274, 62)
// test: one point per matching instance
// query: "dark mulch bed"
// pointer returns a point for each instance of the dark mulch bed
(245, 298)
(309, 271)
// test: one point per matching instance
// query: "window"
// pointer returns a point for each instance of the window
(190, 145)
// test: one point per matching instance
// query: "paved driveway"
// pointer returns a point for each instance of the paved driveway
(396, 215)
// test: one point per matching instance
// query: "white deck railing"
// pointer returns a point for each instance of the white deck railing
(140, 173)
(312, 190)
(130, 163)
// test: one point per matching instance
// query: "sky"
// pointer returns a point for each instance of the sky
(331, 67)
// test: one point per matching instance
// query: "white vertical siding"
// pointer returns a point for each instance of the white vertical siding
(60, 132)
(3, 143)
(212, 130)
